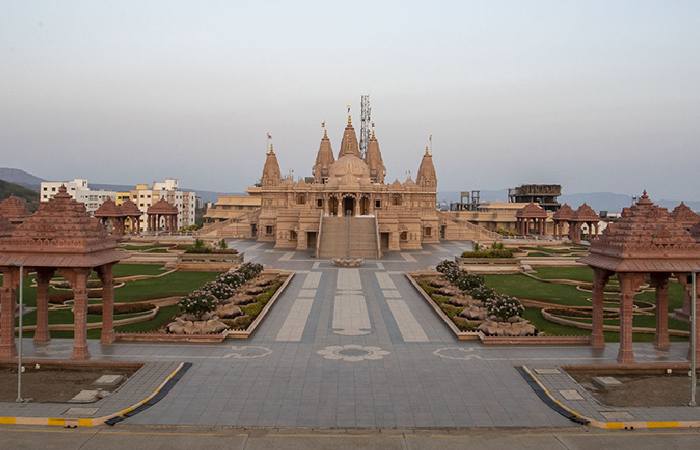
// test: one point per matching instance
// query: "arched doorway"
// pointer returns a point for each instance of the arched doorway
(364, 206)
(333, 206)
(349, 206)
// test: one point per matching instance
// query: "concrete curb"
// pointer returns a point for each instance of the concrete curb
(86, 422)
(630, 425)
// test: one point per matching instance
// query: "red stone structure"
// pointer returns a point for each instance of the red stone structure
(645, 245)
(584, 214)
(132, 216)
(162, 216)
(111, 216)
(14, 209)
(531, 220)
(60, 238)
(685, 216)
(563, 216)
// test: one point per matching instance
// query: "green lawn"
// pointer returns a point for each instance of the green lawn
(522, 286)
(176, 283)
(125, 269)
(579, 273)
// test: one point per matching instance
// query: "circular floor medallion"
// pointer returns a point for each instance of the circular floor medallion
(352, 353)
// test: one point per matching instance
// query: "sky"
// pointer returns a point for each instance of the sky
(594, 95)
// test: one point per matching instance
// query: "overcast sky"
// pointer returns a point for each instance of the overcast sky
(595, 95)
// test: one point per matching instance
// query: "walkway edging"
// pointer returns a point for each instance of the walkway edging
(90, 422)
(580, 418)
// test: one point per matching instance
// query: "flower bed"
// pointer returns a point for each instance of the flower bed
(230, 306)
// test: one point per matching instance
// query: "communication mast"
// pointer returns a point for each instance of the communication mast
(365, 124)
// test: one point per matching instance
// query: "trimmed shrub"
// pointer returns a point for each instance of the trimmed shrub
(503, 307)
(250, 270)
(468, 281)
(123, 308)
(221, 291)
(482, 292)
(197, 303)
(233, 279)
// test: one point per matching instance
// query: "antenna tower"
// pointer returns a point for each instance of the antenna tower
(365, 124)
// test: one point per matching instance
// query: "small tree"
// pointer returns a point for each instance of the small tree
(222, 244)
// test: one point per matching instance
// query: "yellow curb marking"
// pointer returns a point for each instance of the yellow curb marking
(85, 422)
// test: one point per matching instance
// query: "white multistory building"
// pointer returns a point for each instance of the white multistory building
(186, 202)
(143, 195)
(80, 191)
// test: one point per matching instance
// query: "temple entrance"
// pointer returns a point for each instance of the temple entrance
(333, 206)
(254, 230)
(311, 241)
(349, 206)
(364, 206)
(442, 231)
(384, 241)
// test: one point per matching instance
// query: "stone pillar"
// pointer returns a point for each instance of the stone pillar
(629, 282)
(660, 282)
(107, 335)
(8, 304)
(43, 277)
(80, 349)
(600, 279)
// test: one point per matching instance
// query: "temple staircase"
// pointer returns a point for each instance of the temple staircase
(351, 237)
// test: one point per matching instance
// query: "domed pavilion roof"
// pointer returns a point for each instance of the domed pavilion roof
(564, 213)
(14, 208)
(531, 211)
(585, 213)
(645, 239)
(684, 215)
(162, 207)
(129, 208)
(109, 209)
(59, 234)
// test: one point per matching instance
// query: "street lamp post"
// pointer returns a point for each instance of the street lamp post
(693, 338)
(21, 317)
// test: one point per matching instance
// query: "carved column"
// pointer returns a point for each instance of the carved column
(600, 279)
(107, 335)
(629, 282)
(660, 282)
(8, 304)
(43, 277)
(80, 349)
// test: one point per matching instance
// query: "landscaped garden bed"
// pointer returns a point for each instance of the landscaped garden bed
(232, 305)
(471, 308)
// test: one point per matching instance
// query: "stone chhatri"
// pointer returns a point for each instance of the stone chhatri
(646, 243)
(14, 209)
(685, 216)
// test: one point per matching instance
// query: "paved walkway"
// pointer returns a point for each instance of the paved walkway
(353, 348)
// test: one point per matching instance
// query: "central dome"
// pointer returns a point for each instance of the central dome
(349, 165)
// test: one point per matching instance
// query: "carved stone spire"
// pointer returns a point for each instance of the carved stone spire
(349, 144)
(377, 170)
(426, 172)
(324, 158)
(271, 171)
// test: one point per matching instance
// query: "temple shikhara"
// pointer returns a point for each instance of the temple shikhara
(347, 207)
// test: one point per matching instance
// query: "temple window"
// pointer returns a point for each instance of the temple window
(377, 204)
(292, 235)
(403, 236)
(268, 230)
(301, 199)
(427, 231)
(319, 203)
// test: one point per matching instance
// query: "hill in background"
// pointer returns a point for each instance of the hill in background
(29, 195)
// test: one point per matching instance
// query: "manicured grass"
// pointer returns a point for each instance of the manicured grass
(534, 315)
(165, 315)
(675, 296)
(176, 283)
(579, 273)
(141, 248)
(125, 269)
(522, 286)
